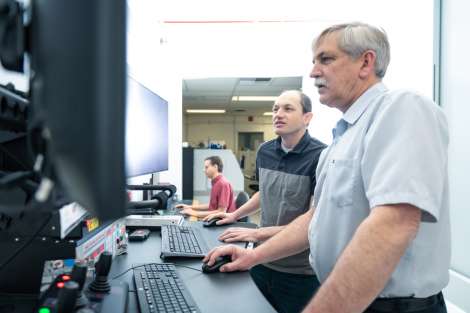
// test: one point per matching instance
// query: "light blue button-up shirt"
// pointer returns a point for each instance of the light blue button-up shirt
(391, 148)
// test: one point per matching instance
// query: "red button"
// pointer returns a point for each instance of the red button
(65, 277)
(60, 284)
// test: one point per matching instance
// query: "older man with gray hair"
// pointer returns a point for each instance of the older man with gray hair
(378, 231)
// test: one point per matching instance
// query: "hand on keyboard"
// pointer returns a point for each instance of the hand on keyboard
(237, 234)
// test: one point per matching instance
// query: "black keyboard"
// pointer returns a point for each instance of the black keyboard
(159, 289)
(182, 241)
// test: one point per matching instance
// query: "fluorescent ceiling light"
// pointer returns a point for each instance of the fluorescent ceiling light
(204, 111)
(253, 98)
(268, 113)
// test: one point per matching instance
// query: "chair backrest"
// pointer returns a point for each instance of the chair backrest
(241, 199)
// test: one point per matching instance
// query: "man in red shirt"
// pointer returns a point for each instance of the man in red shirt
(221, 200)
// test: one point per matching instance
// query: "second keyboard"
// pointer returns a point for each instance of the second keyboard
(182, 241)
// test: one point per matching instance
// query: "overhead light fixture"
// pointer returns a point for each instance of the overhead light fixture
(204, 111)
(253, 98)
(268, 113)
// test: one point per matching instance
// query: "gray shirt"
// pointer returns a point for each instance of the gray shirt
(390, 147)
(286, 184)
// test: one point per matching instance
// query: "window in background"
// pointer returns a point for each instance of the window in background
(249, 140)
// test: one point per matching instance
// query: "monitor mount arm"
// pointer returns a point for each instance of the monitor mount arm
(159, 200)
(171, 189)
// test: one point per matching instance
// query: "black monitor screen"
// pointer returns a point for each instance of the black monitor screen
(146, 131)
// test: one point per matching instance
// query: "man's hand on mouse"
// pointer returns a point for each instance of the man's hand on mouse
(226, 218)
(237, 234)
(242, 259)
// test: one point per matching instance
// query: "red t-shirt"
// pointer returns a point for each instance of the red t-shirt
(222, 195)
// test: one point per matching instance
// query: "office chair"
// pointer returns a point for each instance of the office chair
(241, 199)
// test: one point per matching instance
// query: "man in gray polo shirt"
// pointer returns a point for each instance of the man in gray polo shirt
(379, 231)
(285, 169)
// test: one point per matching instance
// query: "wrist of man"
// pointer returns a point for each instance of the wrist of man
(259, 234)
(257, 256)
(235, 215)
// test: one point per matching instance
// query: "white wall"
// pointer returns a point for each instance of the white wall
(160, 54)
(150, 62)
(455, 95)
(284, 48)
(260, 48)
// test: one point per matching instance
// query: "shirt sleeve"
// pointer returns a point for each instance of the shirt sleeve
(405, 155)
(224, 196)
(313, 177)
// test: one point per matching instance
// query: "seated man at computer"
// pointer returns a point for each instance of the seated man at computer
(221, 199)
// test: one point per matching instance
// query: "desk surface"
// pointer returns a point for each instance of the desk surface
(218, 292)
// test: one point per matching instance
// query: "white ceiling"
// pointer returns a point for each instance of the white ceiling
(217, 93)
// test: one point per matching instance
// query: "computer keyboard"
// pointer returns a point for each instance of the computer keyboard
(182, 241)
(159, 289)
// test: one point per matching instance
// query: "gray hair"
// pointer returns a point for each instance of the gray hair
(305, 101)
(356, 38)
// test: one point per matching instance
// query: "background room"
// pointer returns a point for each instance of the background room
(241, 39)
(205, 55)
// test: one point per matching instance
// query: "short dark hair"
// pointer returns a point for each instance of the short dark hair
(305, 102)
(215, 160)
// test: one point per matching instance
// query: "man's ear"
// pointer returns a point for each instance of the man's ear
(307, 118)
(368, 64)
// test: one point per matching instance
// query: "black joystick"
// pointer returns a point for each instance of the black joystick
(67, 297)
(79, 275)
(102, 267)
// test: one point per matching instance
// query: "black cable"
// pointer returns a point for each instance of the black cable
(191, 268)
(140, 265)
(27, 243)
(131, 268)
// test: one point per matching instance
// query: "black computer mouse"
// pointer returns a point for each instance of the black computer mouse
(214, 268)
(211, 222)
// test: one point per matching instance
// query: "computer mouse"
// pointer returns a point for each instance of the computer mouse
(211, 222)
(214, 268)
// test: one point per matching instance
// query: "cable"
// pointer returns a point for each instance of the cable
(191, 268)
(27, 243)
(131, 268)
(140, 265)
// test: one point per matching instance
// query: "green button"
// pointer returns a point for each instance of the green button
(44, 310)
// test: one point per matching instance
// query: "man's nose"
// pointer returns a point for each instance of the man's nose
(278, 113)
(315, 72)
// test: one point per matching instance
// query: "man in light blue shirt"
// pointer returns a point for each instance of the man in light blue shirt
(379, 231)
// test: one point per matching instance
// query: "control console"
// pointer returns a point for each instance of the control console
(69, 292)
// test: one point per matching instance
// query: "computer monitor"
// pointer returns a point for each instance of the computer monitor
(78, 94)
(146, 130)
(65, 141)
